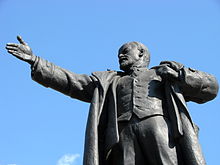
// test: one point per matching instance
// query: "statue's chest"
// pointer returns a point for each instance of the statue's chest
(143, 83)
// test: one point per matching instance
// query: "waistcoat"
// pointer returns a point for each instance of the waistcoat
(140, 93)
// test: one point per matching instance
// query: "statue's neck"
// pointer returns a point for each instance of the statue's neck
(133, 68)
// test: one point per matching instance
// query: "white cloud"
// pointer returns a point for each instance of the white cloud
(1, 163)
(67, 159)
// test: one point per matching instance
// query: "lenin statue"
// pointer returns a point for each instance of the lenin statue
(137, 116)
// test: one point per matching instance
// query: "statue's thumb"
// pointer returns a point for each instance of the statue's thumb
(21, 40)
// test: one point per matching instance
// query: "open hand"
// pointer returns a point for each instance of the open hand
(22, 51)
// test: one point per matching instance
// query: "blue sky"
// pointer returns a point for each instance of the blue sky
(42, 126)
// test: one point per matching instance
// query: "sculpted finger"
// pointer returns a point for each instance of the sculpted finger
(162, 70)
(165, 62)
(17, 54)
(174, 65)
(12, 44)
(11, 48)
(21, 40)
(159, 66)
(13, 52)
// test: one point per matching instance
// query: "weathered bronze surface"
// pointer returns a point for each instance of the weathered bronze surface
(138, 116)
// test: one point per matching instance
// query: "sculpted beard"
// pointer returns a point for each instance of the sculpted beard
(125, 64)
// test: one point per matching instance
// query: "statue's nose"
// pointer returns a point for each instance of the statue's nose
(120, 55)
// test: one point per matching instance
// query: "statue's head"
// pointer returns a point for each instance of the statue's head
(133, 54)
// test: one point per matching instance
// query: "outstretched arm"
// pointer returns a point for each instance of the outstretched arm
(79, 86)
(21, 51)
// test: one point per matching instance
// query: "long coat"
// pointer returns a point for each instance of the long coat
(100, 90)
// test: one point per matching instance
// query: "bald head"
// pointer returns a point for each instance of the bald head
(133, 54)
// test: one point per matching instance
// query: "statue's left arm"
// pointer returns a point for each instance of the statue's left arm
(195, 85)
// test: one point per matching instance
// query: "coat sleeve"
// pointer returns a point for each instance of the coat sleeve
(198, 86)
(78, 86)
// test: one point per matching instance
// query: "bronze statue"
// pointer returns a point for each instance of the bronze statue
(137, 116)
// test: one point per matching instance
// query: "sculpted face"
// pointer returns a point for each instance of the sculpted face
(129, 56)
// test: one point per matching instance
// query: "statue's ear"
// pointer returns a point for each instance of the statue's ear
(141, 53)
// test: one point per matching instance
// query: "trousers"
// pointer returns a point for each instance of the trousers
(144, 142)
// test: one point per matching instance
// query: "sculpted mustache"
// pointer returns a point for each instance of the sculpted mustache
(123, 58)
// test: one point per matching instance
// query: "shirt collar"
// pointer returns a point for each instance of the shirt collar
(135, 70)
